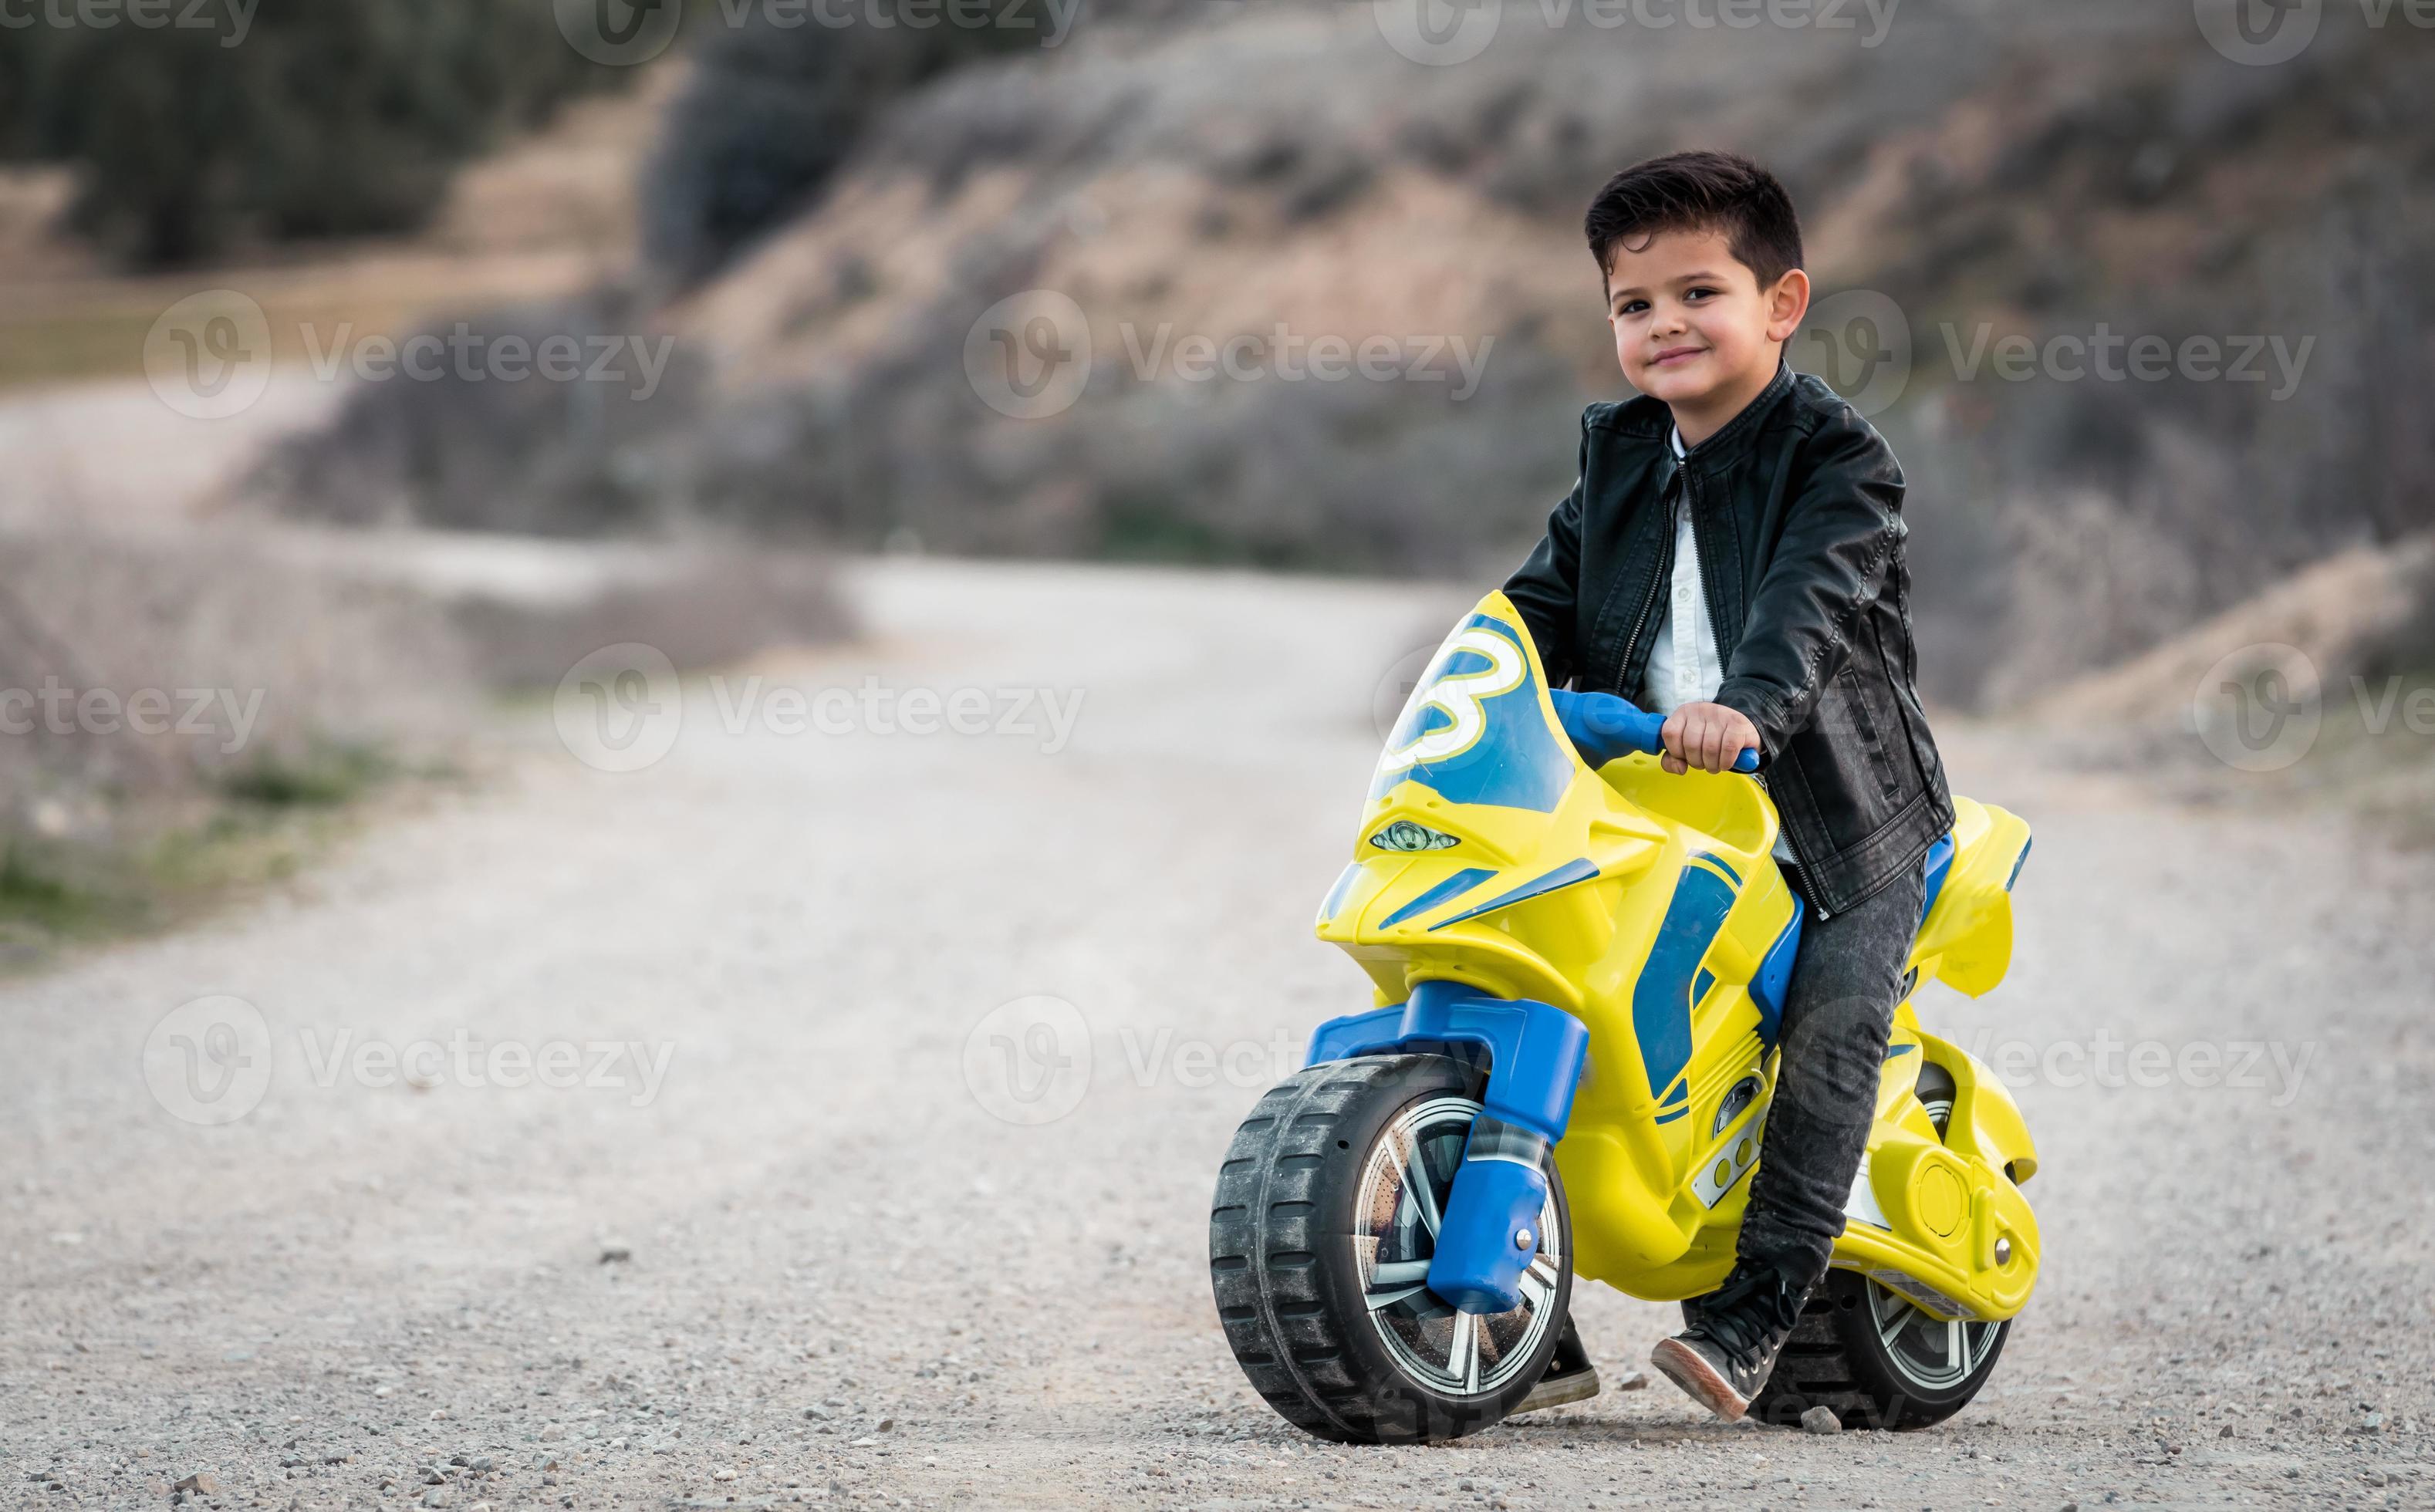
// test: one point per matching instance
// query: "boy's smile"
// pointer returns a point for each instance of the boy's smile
(1693, 328)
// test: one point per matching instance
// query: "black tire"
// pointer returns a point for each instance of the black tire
(1865, 1353)
(1837, 1359)
(1293, 1287)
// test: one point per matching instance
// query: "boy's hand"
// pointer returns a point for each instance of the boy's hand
(1707, 735)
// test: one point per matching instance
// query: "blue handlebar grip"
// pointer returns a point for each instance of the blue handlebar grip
(1603, 727)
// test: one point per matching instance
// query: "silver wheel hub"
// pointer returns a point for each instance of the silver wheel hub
(1404, 1183)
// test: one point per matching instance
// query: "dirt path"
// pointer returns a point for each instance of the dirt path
(839, 1275)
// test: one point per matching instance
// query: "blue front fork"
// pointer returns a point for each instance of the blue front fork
(1490, 1231)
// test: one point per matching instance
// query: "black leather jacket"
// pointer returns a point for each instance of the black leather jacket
(1796, 507)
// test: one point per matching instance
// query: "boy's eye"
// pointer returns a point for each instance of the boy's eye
(1699, 293)
(1632, 306)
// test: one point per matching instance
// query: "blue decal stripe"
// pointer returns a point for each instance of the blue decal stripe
(1892, 1050)
(1563, 876)
(1701, 984)
(1454, 886)
(1718, 861)
(1661, 1000)
(1335, 894)
(1668, 1118)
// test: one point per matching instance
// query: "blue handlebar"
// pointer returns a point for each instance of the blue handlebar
(1603, 727)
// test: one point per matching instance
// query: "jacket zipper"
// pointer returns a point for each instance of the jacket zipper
(1648, 600)
(1707, 590)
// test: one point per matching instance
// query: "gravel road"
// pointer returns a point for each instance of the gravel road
(834, 1224)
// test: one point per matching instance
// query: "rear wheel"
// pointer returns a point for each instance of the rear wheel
(1319, 1241)
(1868, 1352)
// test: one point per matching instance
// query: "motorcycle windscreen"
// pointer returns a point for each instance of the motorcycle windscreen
(1479, 727)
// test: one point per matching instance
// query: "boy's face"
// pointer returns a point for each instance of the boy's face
(1691, 324)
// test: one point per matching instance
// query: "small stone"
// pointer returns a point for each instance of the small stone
(1820, 1420)
(202, 1483)
(431, 1476)
(886, 1425)
(2225, 1432)
(1637, 1380)
(482, 1464)
(612, 1252)
(722, 1475)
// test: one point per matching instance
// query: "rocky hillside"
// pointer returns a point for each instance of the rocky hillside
(1266, 176)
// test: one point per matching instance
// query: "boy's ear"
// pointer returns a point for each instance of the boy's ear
(1788, 304)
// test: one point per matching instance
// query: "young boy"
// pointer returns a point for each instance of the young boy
(1731, 558)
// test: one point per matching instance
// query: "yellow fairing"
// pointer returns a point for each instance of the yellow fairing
(1646, 905)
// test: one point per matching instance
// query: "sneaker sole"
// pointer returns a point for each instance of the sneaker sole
(1683, 1365)
(1578, 1387)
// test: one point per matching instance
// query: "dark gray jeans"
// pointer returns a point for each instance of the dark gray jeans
(1846, 982)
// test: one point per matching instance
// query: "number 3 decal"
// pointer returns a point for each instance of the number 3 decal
(1459, 697)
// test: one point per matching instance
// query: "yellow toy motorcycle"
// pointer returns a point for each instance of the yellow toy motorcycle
(1579, 976)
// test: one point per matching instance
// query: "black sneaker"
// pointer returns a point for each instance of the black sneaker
(1569, 1377)
(1728, 1350)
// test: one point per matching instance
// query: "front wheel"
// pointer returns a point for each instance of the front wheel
(1320, 1240)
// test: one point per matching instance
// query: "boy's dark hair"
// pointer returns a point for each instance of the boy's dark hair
(1699, 191)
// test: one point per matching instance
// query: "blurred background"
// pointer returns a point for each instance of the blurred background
(767, 237)
(719, 293)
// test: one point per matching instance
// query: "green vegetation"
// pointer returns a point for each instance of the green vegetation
(319, 118)
(161, 866)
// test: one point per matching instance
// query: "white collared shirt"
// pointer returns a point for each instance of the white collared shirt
(1683, 665)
